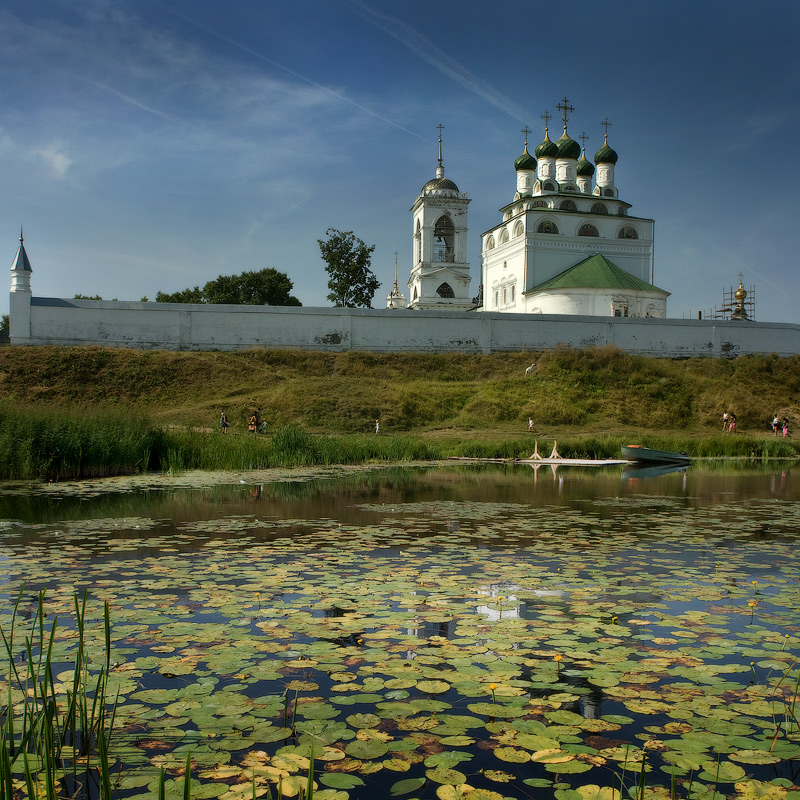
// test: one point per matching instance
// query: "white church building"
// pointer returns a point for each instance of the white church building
(566, 244)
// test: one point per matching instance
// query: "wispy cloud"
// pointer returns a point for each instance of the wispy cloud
(55, 158)
(424, 48)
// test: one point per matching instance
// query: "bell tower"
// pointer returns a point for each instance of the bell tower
(440, 271)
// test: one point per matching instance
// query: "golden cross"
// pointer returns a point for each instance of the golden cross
(565, 108)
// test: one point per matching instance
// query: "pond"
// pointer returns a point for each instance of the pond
(452, 631)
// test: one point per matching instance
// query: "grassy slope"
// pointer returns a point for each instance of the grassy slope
(599, 390)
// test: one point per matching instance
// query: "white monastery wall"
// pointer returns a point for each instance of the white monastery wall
(177, 326)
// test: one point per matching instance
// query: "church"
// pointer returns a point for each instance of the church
(566, 244)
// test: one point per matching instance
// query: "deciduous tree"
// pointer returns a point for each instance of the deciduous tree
(267, 287)
(351, 281)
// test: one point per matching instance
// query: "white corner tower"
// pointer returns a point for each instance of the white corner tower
(440, 272)
(20, 300)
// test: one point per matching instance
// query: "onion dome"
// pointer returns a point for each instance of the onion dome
(585, 168)
(525, 161)
(546, 149)
(568, 148)
(605, 155)
(443, 186)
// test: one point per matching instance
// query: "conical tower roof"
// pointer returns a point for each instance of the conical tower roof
(21, 261)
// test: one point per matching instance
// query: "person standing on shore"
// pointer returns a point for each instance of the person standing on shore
(223, 422)
(724, 420)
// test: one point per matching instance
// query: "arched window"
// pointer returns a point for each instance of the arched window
(418, 243)
(504, 236)
(608, 192)
(519, 229)
(490, 243)
(545, 226)
(587, 230)
(505, 297)
(445, 290)
(540, 204)
(568, 205)
(513, 293)
(628, 232)
(599, 208)
(549, 187)
(443, 238)
(495, 300)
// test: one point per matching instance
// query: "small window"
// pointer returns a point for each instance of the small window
(445, 290)
(549, 187)
(599, 208)
(545, 226)
(628, 232)
(512, 293)
(608, 192)
(519, 229)
(587, 230)
(495, 300)
(568, 205)
(490, 243)
(504, 236)
(505, 297)
(540, 204)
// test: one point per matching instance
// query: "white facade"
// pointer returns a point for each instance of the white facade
(557, 220)
(440, 276)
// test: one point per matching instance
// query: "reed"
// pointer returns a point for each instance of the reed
(53, 742)
(74, 442)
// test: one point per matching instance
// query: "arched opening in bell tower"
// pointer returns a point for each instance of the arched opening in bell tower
(444, 240)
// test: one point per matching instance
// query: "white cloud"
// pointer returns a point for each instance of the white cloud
(57, 161)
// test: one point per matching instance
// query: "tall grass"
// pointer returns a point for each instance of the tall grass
(74, 442)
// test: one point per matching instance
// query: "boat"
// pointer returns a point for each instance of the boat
(646, 455)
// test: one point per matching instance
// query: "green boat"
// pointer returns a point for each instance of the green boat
(645, 455)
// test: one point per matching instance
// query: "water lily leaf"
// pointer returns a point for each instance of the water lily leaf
(754, 757)
(365, 749)
(406, 786)
(433, 687)
(451, 777)
(340, 780)
(512, 754)
(363, 720)
(722, 771)
(552, 756)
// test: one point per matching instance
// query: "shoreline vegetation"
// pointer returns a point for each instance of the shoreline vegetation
(68, 413)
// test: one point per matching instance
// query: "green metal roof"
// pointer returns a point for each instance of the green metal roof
(596, 272)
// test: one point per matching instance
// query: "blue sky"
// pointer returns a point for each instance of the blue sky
(156, 144)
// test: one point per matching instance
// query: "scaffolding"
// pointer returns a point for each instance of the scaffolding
(730, 305)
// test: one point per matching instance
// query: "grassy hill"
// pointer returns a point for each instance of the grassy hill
(598, 390)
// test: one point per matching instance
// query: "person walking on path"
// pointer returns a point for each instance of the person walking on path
(223, 422)
(531, 429)
(785, 427)
(775, 425)
(377, 426)
(724, 420)
(732, 423)
(251, 425)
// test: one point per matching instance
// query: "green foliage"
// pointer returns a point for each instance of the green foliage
(57, 443)
(87, 297)
(351, 282)
(267, 287)
(4, 322)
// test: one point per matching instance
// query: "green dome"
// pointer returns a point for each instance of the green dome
(546, 149)
(568, 148)
(605, 155)
(585, 168)
(525, 161)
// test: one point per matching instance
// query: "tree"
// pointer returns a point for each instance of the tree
(350, 279)
(267, 287)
